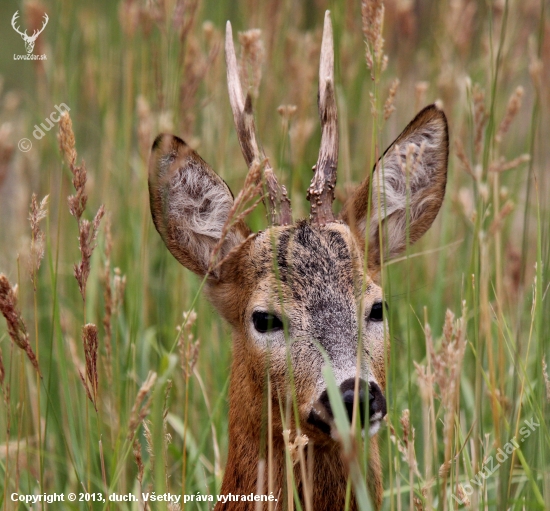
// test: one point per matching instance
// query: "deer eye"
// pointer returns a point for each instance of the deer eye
(377, 312)
(266, 322)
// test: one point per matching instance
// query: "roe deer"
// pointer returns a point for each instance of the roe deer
(298, 288)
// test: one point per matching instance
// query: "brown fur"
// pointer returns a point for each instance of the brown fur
(307, 274)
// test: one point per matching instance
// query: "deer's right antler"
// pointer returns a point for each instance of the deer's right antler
(321, 190)
(278, 203)
(36, 33)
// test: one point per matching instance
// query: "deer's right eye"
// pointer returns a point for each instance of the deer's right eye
(266, 322)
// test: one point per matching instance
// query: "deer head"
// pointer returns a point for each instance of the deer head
(302, 288)
(29, 40)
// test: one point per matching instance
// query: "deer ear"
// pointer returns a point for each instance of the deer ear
(421, 151)
(190, 204)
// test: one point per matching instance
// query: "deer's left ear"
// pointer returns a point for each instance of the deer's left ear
(405, 190)
(190, 205)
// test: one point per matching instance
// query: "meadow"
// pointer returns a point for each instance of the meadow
(116, 381)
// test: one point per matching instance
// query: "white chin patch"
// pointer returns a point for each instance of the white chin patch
(375, 423)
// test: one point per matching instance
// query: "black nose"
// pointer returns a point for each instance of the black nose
(376, 400)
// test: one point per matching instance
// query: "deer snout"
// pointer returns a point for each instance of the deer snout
(370, 395)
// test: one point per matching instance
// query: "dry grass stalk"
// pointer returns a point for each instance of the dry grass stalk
(139, 412)
(196, 65)
(77, 202)
(412, 158)
(372, 15)
(167, 437)
(108, 299)
(425, 381)
(17, 329)
(183, 17)
(296, 446)
(87, 242)
(6, 151)
(464, 160)
(406, 18)
(260, 483)
(2, 369)
(252, 187)
(136, 450)
(119, 285)
(406, 445)
(252, 59)
(129, 16)
(67, 141)
(37, 213)
(447, 365)
(480, 117)
(34, 14)
(462, 495)
(145, 126)
(87, 231)
(512, 109)
(496, 224)
(535, 68)
(189, 350)
(501, 165)
(544, 374)
(149, 442)
(420, 89)
(389, 107)
(287, 111)
(89, 342)
(459, 22)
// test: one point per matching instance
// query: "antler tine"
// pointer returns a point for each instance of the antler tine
(278, 203)
(13, 21)
(44, 23)
(321, 190)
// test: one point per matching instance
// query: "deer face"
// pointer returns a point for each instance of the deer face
(299, 292)
(311, 281)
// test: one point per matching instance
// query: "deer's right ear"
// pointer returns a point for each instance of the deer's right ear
(190, 204)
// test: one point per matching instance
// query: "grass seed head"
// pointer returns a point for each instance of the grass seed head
(89, 341)
(37, 213)
(17, 329)
(87, 242)
(139, 412)
(372, 15)
(546, 379)
(389, 106)
(66, 140)
(252, 59)
(512, 109)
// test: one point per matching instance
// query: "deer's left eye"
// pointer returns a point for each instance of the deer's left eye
(266, 322)
(377, 312)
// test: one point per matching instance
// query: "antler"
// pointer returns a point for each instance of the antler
(278, 203)
(26, 36)
(321, 190)
(36, 33)
(13, 20)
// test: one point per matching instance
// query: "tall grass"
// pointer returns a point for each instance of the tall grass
(126, 398)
